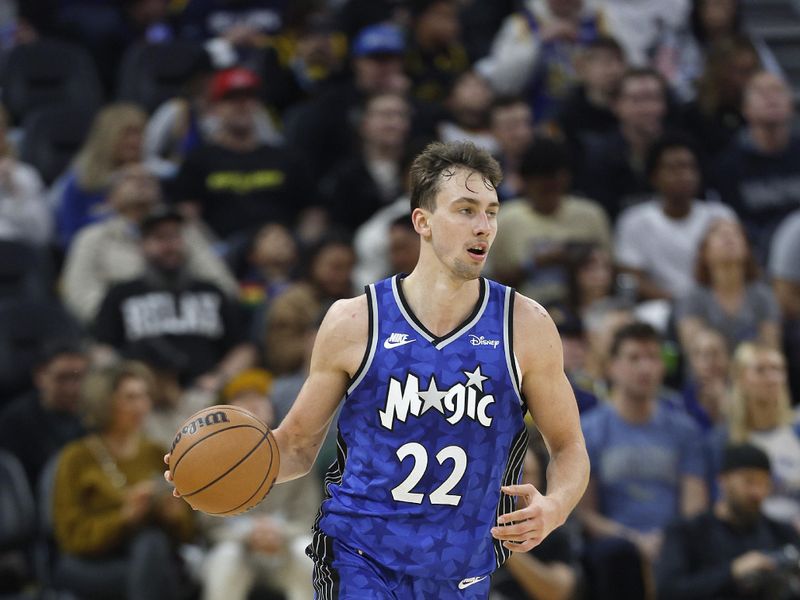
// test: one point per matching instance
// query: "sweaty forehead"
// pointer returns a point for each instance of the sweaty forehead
(460, 181)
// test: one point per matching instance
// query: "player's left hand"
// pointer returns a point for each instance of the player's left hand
(526, 527)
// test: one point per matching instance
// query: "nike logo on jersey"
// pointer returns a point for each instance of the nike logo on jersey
(465, 583)
(397, 339)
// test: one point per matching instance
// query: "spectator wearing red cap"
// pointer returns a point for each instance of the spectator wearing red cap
(235, 181)
(234, 81)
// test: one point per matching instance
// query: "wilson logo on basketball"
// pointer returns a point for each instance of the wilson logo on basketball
(214, 418)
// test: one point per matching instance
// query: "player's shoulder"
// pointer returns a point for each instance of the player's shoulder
(347, 318)
(529, 313)
(535, 337)
(343, 335)
(349, 308)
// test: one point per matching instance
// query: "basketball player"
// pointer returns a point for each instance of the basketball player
(437, 369)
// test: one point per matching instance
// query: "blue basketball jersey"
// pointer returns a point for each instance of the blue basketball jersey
(430, 429)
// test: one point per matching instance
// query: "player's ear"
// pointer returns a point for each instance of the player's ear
(421, 220)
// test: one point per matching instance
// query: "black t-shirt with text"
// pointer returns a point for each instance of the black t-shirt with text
(188, 330)
(240, 191)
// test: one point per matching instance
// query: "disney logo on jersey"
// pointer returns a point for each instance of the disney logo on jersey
(476, 340)
(462, 400)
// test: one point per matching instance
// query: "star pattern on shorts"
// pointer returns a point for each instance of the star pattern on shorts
(475, 378)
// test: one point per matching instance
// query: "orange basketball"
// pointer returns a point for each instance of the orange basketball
(224, 460)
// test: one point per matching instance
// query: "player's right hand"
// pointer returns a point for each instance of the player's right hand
(168, 476)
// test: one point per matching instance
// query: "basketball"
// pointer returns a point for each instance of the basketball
(224, 460)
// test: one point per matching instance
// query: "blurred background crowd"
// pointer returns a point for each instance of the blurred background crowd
(187, 185)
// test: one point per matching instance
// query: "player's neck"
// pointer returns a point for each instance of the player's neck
(439, 300)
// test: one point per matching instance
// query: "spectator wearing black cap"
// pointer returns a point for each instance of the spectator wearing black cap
(235, 181)
(171, 311)
(108, 252)
(35, 426)
(733, 550)
(537, 228)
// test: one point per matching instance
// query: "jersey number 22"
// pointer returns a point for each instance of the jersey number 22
(441, 495)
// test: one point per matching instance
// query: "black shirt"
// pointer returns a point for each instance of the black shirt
(188, 329)
(578, 118)
(351, 195)
(240, 191)
(697, 554)
(762, 188)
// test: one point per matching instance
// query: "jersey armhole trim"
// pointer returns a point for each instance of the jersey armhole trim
(372, 339)
(508, 342)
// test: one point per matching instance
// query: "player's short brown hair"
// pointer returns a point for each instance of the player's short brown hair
(439, 158)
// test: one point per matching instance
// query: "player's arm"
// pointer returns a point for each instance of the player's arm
(552, 404)
(338, 351)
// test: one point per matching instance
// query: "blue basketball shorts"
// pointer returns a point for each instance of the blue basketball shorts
(345, 573)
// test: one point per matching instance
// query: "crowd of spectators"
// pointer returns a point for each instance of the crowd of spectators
(173, 229)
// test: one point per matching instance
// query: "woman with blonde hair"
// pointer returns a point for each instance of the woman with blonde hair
(730, 296)
(760, 413)
(114, 141)
(115, 522)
